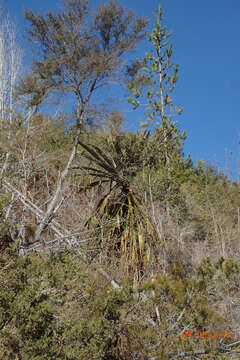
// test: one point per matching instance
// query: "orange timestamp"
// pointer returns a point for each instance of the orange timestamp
(213, 334)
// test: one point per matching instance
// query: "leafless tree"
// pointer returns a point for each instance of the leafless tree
(10, 67)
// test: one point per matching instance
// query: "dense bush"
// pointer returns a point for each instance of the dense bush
(57, 308)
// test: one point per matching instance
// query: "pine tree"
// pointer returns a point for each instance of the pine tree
(154, 78)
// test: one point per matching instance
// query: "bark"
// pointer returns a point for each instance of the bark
(54, 202)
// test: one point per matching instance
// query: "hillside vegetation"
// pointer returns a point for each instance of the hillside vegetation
(113, 244)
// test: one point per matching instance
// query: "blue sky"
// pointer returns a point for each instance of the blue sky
(206, 46)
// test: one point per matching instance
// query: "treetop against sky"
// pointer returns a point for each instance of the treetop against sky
(206, 47)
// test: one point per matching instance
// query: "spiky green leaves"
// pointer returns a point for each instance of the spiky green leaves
(127, 231)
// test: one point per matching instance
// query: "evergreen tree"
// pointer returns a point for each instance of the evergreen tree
(154, 78)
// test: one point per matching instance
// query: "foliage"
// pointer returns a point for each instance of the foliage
(78, 51)
(154, 78)
(57, 308)
(130, 232)
(177, 270)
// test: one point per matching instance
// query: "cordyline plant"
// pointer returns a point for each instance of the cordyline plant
(130, 232)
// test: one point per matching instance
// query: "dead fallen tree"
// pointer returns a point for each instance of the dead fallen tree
(63, 236)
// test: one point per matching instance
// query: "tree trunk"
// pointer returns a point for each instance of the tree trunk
(54, 202)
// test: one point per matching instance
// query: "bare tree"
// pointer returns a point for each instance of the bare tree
(10, 67)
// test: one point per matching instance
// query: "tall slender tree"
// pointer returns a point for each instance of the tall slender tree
(10, 70)
(10, 67)
(155, 78)
(79, 52)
